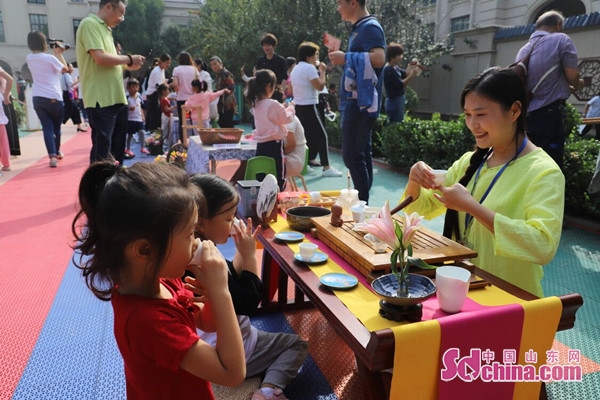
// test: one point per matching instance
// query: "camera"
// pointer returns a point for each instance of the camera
(53, 43)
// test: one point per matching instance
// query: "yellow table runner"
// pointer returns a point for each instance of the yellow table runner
(418, 344)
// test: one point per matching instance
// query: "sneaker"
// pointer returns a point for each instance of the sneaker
(145, 151)
(309, 169)
(60, 155)
(128, 154)
(314, 163)
(331, 173)
(6, 168)
(277, 395)
(53, 162)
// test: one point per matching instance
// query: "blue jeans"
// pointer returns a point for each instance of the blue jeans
(109, 132)
(356, 147)
(50, 112)
(394, 108)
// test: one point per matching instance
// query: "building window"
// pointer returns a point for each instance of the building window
(76, 23)
(36, 1)
(2, 38)
(459, 24)
(39, 22)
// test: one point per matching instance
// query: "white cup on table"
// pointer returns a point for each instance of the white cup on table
(452, 287)
(307, 250)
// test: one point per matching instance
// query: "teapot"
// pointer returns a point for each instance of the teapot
(348, 198)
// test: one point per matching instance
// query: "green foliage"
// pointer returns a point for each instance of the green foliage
(334, 132)
(402, 23)
(572, 121)
(141, 29)
(438, 143)
(412, 99)
(579, 165)
(20, 112)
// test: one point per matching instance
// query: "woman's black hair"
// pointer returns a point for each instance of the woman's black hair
(149, 201)
(306, 50)
(502, 86)
(36, 41)
(184, 58)
(218, 192)
(202, 86)
(257, 85)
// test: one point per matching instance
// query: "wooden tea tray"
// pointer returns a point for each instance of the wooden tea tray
(430, 246)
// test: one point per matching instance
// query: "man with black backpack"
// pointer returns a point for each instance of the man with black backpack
(552, 76)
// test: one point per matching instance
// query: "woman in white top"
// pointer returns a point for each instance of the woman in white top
(306, 83)
(157, 77)
(183, 75)
(46, 71)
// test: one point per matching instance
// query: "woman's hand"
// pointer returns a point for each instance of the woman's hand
(456, 197)
(422, 175)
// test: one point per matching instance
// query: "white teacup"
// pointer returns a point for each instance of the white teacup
(452, 287)
(315, 197)
(370, 212)
(307, 250)
(440, 176)
(357, 212)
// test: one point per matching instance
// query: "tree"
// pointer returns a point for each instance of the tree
(232, 29)
(140, 31)
(405, 22)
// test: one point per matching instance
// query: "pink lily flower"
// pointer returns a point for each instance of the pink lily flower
(412, 224)
(383, 227)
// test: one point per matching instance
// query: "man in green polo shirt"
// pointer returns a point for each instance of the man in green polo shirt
(101, 76)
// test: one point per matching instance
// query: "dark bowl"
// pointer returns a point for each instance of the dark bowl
(298, 218)
(420, 288)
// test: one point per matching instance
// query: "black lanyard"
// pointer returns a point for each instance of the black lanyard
(469, 217)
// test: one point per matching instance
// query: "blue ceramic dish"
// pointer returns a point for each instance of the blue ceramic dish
(420, 288)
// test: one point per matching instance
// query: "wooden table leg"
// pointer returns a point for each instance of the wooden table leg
(371, 382)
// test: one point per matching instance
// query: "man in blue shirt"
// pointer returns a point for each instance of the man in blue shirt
(360, 106)
(552, 76)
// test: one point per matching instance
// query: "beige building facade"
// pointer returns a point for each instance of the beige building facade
(489, 32)
(59, 19)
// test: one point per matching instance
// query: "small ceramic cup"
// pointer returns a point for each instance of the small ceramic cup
(452, 287)
(307, 250)
(370, 212)
(315, 197)
(357, 213)
(440, 176)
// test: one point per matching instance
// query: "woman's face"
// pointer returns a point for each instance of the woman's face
(489, 122)
(313, 59)
(218, 228)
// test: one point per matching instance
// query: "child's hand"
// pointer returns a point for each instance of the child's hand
(245, 239)
(211, 274)
(226, 91)
(195, 286)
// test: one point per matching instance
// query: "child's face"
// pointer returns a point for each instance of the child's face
(218, 228)
(133, 89)
(182, 249)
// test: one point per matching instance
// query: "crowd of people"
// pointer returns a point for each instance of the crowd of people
(140, 228)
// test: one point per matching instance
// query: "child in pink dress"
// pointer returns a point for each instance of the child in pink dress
(270, 118)
(203, 98)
